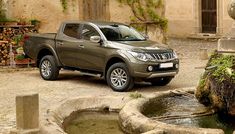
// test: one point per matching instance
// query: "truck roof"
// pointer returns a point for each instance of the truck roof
(98, 23)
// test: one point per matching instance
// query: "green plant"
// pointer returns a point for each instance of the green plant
(34, 21)
(224, 67)
(2, 11)
(146, 11)
(136, 95)
(20, 57)
(17, 39)
(202, 82)
(64, 4)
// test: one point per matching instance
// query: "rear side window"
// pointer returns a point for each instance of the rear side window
(88, 31)
(72, 30)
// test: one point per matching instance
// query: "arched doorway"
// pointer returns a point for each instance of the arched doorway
(209, 16)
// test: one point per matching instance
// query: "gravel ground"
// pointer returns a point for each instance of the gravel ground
(73, 84)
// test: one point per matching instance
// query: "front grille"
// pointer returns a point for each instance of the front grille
(163, 56)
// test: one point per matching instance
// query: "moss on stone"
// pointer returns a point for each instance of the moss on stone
(217, 85)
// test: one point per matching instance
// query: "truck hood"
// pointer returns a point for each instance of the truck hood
(137, 45)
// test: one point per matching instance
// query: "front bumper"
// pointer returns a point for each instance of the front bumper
(155, 75)
(139, 69)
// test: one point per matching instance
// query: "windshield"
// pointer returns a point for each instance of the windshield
(121, 33)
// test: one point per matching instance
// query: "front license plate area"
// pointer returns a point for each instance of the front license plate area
(166, 65)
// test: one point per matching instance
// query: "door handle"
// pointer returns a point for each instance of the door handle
(81, 46)
(60, 43)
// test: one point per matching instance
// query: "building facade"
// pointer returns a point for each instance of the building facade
(192, 17)
(186, 17)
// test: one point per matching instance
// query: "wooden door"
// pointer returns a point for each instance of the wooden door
(94, 10)
(209, 16)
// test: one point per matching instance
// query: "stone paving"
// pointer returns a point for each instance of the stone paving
(73, 84)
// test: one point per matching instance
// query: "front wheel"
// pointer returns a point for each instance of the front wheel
(119, 78)
(161, 81)
(48, 68)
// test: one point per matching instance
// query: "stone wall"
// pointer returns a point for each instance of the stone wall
(180, 14)
(49, 12)
(183, 15)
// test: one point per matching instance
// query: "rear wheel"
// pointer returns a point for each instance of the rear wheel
(162, 81)
(48, 68)
(119, 78)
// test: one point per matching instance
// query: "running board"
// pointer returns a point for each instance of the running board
(90, 74)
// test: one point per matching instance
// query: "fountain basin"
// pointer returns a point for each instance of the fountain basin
(105, 108)
(133, 121)
(93, 122)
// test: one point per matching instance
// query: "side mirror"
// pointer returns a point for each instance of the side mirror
(95, 39)
(145, 36)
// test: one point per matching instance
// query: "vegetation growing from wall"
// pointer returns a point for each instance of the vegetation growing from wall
(65, 4)
(2, 12)
(3, 16)
(225, 65)
(217, 86)
(148, 12)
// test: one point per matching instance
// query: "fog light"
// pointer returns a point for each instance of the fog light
(150, 68)
(177, 66)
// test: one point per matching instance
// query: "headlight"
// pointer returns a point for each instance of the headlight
(175, 54)
(141, 56)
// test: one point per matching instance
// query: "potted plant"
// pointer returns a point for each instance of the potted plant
(21, 60)
(35, 22)
(7, 21)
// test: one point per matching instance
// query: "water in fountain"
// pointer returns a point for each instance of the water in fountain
(187, 111)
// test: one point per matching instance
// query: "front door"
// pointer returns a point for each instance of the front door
(92, 56)
(209, 16)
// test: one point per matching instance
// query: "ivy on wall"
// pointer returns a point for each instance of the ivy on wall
(64, 4)
(2, 11)
(147, 11)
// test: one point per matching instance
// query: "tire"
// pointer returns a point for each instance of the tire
(48, 68)
(118, 77)
(163, 81)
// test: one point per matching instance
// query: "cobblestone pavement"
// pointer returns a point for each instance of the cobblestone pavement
(72, 84)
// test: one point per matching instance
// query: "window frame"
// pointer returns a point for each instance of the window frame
(97, 30)
(78, 31)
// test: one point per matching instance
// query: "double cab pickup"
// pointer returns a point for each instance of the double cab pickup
(115, 51)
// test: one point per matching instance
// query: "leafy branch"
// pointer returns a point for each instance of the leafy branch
(147, 11)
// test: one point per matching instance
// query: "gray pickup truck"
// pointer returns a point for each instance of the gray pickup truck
(115, 51)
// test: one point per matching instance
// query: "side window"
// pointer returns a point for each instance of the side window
(88, 31)
(72, 30)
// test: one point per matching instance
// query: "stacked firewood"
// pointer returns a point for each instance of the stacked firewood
(4, 52)
(11, 36)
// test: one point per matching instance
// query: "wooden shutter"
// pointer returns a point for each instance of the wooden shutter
(94, 9)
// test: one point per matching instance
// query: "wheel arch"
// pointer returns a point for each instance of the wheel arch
(111, 61)
(47, 51)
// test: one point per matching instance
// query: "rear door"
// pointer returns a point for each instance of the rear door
(67, 45)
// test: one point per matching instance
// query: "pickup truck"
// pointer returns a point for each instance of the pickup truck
(115, 51)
